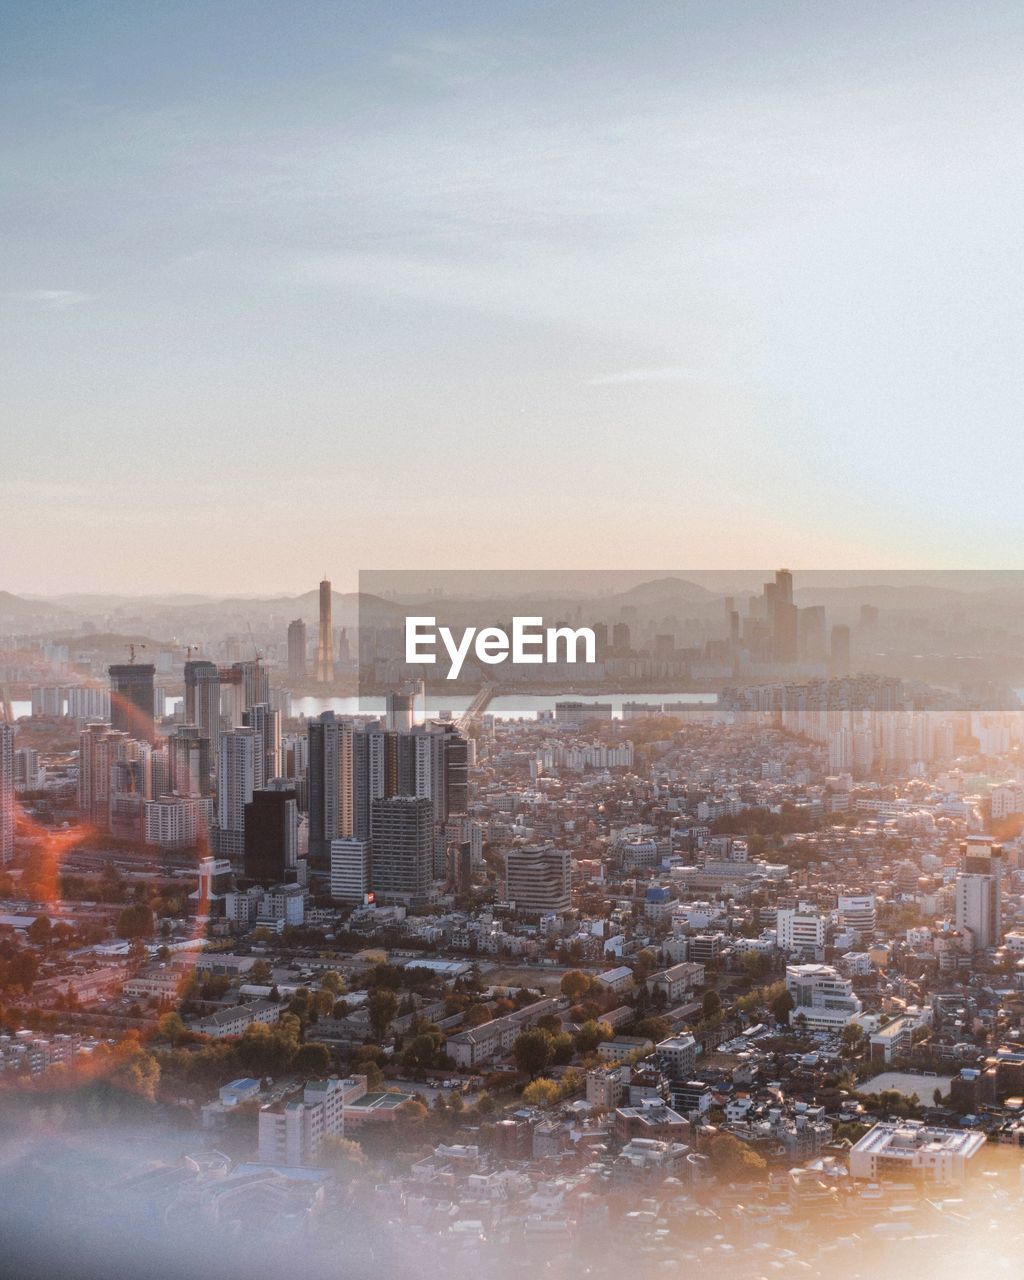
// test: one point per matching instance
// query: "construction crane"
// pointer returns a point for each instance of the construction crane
(131, 651)
(190, 649)
(255, 652)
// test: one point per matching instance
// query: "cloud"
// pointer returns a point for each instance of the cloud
(629, 377)
(52, 299)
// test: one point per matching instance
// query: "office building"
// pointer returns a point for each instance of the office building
(537, 880)
(271, 837)
(132, 699)
(857, 913)
(801, 930)
(823, 1000)
(297, 650)
(899, 1150)
(401, 711)
(350, 870)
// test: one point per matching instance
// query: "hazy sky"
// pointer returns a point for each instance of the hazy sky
(293, 287)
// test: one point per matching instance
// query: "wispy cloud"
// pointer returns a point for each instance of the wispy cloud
(629, 377)
(52, 299)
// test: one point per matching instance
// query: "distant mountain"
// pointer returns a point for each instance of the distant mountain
(665, 591)
(18, 612)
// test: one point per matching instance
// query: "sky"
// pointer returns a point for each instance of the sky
(287, 289)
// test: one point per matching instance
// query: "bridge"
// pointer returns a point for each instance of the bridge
(476, 708)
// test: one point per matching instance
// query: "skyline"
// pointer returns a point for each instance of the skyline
(330, 270)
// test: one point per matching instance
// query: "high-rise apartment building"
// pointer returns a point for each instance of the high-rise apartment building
(979, 890)
(188, 761)
(325, 640)
(6, 793)
(402, 849)
(297, 650)
(239, 774)
(267, 723)
(202, 701)
(132, 699)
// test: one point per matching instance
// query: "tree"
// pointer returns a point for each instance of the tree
(135, 921)
(313, 1059)
(853, 1038)
(541, 1093)
(381, 1006)
(591, 1034)
(39, 931)
(575, 984)
(711, 1005)
(260, 973)
(781, 1006)
(331, 981)
(171, 1027)
(532, 1051)
(734, 1161)
(343, 1154)
(562, 1048)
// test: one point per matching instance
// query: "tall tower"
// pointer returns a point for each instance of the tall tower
(202, 703)
(131, 699)
(979, 890)
(239, 774)
(325, 643)
(297, 650)
(6, 793)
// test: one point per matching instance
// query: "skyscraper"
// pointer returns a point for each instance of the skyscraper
(131, 699)
(979, 891)
(325, 642)
(271, 837)
(6, 793)
(267, 723)
(402, 848)
(202, 701)
(297, 650)
(239, 774)
(188, 761)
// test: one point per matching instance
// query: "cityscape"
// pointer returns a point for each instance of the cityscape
(511, 640)
(726, 978)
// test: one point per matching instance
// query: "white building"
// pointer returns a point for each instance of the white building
(857, 913)
(801, 930)
(677, 1056)
(350, 870)
(901, 1148)
(823, 998)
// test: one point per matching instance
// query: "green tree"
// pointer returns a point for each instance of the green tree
(135, 922)
(532, 1051)
(381, 1006)
(711, 1005)
(591, 1034)
(312, 1059)
(733, 1161)
(781, 1006)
